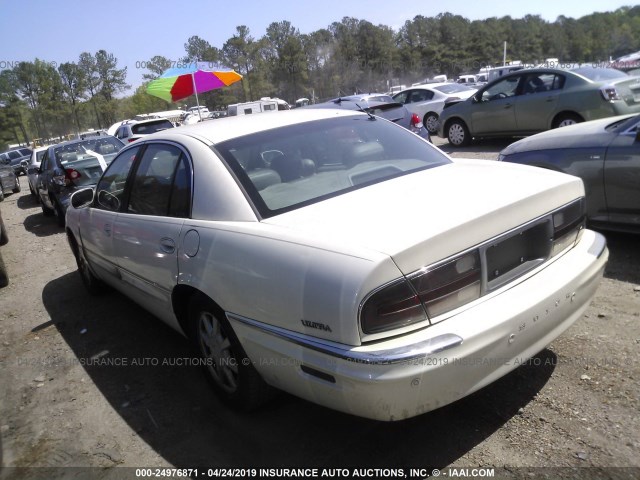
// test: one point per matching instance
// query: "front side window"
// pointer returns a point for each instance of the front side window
(161, 181)
(110, 189)
(503, 89)
(289, 167)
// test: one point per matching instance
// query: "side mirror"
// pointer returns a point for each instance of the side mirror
(82, 198)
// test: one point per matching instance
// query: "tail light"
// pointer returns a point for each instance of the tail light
(568, 225)
(416, 123)
(449, 285)
(69, 176)
(393, 306)
(131, 139)
(609, 93)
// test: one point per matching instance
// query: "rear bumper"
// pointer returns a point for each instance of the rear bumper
(424, 370)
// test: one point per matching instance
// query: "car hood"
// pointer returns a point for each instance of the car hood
(582, 135)
(421, 218)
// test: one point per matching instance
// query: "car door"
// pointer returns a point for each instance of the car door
(147, 232)
(494, 110)
(538, 101)
(97, 221)
(622, 178)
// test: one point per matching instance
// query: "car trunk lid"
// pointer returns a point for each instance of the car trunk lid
(444, 211)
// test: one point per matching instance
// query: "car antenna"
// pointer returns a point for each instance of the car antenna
(371, 116)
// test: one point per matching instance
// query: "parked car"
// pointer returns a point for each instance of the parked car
(9, 182)
(530, 101)
(605, 154)
(32, 168)
(382, 105)
(427, 101)
(131, 131)
(339, 257)
(14, 157)
(4, 239)
(70, 165)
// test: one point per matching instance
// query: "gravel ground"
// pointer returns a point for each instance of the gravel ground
(574, 408)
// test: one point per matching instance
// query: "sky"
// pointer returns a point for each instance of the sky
(57, 31)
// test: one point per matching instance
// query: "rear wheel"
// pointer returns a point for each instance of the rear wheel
(1, 193)
(17, 188)
(431, 122)
(46, 211)
(458, 133)
(566, 119)
(227, 365)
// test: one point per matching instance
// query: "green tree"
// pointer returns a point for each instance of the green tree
(73, 86)
(156, 66)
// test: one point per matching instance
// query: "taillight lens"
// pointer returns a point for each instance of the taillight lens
(415, 121)
(609, 93)
(69, 176)
(568, 224)
(450, 285)
(393, 306)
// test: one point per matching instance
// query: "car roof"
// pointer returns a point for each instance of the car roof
(237, 126)
(151, 120)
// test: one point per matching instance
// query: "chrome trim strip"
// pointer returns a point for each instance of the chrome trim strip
(391, 356)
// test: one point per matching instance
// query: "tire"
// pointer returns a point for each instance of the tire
(4, 238)
(18, 188)
(4, 278)
(227, 366)
(93, 284)
(59, 212)
(32, 191)
(430, 122)
(46, 211)
(1, 193)
(458, 134)
(566, 119)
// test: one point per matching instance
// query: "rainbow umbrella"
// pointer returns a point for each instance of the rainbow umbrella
(192, 79)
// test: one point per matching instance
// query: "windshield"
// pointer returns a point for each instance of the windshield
(600, 74)
(78, 151)
(290, 167)
(453, 88)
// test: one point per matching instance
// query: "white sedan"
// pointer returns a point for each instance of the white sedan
(339, 257)
(427, 101)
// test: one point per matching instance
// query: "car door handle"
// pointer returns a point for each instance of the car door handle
(167, 245)
(550, 99)
(507, 105)
(107, 229)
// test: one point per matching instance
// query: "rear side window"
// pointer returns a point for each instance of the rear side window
(152, 127)
(161, 185)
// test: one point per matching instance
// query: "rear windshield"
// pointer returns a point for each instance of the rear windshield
(80, 151)
(150, 127)
(289, 167)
